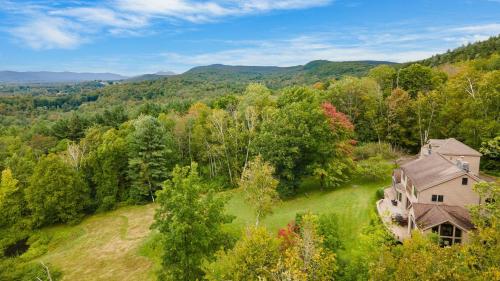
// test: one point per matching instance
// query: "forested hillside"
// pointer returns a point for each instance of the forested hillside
(184, 142)
(477, 50)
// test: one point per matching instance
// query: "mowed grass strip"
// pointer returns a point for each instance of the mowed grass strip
(103, 246)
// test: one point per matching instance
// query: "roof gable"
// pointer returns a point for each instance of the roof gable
(452, 146)
(430, 170)
(429, 215)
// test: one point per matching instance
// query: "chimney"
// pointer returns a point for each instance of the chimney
(465, 166)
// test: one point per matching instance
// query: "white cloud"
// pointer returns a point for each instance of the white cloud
(492, 28)
(400, 45)
(101, 16)
(180, 9)
(268, 5)
(294, 51)
(47, 25)
(48, 33)
(197, 11)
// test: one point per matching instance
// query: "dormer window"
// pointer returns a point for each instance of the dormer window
(465, 181)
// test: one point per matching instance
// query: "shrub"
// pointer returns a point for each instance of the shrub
(12, 269)
(373, 149)
(379, 194)
(374, 168)
(328, 228)
(491, 156)
(108, 203)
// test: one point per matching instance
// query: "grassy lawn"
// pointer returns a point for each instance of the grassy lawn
(352, 203)
(103, 246)
(111, 246)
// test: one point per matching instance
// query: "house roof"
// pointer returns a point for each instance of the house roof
(429, 215)
(452, 146)
(431, 170)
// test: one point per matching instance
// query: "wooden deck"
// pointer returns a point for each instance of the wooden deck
(386, 211)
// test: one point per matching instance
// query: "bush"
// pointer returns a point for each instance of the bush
(491, 156)
(374, 168)
(12, 269)
(379, 194)
(108, 203)
(374, 149)
(38, 246)
(328, 227)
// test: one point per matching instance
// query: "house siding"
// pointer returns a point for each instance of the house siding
(455, 194)
(473, 161)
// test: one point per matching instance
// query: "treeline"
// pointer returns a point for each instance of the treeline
(300, 131)
(112, 159)
(49, 88)
(58, 173)
(482, 49)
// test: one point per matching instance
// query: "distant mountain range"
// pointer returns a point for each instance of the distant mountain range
(47, 77)
(315, 69)
(55, 77)
(282, 76)
(148, 77)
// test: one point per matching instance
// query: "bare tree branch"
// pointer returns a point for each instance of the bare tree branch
(49, 277)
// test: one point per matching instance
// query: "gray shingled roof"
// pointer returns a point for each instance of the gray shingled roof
(430, 170)
(429, 215)
(452, 146)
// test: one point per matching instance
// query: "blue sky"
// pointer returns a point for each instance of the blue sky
(145, 36)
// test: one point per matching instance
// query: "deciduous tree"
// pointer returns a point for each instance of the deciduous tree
(254, 257)
(57, 192)
(259, 186)
(189, 218)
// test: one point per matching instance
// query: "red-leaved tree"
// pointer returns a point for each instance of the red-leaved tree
(337, 119)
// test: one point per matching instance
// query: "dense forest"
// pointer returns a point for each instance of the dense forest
(470, 51)
(181, 141)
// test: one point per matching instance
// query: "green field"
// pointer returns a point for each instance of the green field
(110, 246)
(352, 203)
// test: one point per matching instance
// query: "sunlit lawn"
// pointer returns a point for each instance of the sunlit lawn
(352, 203)
(103, 246)
(113, 246)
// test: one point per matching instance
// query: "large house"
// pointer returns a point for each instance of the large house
(432, 192)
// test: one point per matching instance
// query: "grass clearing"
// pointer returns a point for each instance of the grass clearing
(103, 246)
(118, 245)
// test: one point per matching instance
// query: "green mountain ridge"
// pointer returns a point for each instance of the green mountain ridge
(317, 68)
